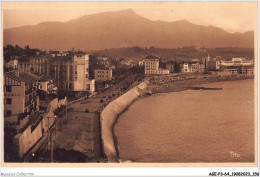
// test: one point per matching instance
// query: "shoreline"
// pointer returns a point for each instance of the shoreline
(113, 130)
(109, 116)
(182, 85)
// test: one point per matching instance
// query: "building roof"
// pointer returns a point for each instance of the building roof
(102, 68)
(79, 52)
(44, 78)
(151, 57)
(63, 58)
(23, 76)
(74, 52)
(189, 62)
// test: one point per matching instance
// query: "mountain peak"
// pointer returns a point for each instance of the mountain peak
(120, 13)
(127, 11)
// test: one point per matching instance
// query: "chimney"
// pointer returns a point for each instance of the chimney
(17, 74)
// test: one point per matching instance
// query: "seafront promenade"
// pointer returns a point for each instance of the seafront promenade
(109, 117)
(80, 138)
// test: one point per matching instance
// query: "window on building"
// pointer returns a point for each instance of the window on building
(8, 112)
(88, 86)
(8, 101)
(8, 88)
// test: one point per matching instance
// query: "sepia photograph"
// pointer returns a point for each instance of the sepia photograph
(129, 83)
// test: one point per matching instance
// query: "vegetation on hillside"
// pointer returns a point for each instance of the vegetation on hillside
(11, 51)
(184, 53)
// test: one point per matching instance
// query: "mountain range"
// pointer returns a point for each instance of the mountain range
(122, 29)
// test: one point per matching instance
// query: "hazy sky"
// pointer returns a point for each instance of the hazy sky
(230, 16)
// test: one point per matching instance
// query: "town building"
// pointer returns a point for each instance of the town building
(214, 65)
(11, 64)
(170, 66)
(195, 60)
(38, 65)
(236, 62)
(184, 67)
(70, 70)
(141, 63)
(151, 66)
(196, 67)
(163, 71)
(244, 70)
(48, 86)
(103, 74)
(90, 85)
(231, 65)
(20, 96)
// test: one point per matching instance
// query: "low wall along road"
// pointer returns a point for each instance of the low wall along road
(111, 112)
(27, 139)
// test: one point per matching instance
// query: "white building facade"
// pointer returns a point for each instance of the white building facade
(151, 66)
(20, 95)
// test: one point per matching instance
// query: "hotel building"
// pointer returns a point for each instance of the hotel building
(151, 66)
(232, 66)
(70, 71)
(20, 95)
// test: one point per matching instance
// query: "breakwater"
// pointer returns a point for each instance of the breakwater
(109, 115)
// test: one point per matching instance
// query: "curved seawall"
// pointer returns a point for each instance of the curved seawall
(109, 115)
